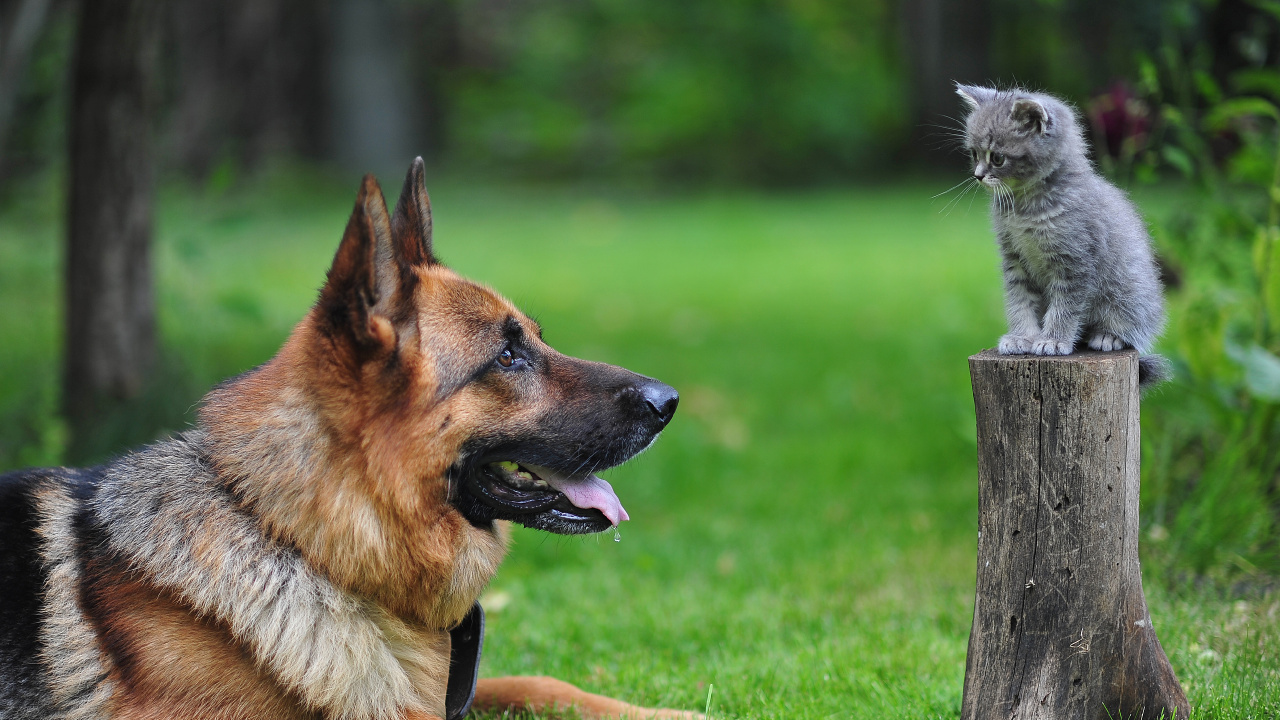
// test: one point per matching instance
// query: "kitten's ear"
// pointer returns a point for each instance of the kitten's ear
(973, 96)
(1030, 115)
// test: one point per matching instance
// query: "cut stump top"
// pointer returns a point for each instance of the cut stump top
(1080, 356)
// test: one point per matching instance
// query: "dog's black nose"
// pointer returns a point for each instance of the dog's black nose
(662, 399)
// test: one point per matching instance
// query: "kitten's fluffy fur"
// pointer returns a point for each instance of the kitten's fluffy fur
(1077, 258)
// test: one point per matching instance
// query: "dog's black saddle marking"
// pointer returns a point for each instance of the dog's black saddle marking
(464, 663)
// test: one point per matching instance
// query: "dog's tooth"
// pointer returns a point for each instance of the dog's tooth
(541, 483)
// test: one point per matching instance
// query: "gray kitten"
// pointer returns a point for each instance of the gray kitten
(1077, 258)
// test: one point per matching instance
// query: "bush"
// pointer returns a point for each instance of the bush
(755, 91)
(1212, 487)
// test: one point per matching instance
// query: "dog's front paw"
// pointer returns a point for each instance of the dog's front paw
(1106, 342)
(1049, 346)
(1014, 345)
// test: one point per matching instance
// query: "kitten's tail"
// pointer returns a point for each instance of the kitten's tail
(1153, 370)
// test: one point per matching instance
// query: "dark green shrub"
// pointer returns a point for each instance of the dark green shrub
(1212, 490)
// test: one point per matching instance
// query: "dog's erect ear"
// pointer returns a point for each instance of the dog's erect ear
(411, 223)
(1030, 115)
(973, 96)
(364, 273)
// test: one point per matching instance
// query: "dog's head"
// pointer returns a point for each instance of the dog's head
(467, 381)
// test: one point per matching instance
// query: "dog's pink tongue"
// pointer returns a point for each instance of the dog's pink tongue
(590, 492)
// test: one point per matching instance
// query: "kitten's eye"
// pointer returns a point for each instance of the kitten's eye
(998, 159)
(973, 155)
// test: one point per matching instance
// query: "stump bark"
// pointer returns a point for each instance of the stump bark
(1060, 622)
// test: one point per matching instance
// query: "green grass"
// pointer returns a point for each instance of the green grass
(804, 532)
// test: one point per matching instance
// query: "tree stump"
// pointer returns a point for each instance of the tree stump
(1060, 622)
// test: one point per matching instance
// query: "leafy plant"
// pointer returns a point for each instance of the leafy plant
(756, 91)
(1213, 484)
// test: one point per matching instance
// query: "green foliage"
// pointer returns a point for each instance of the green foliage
(757, 90)
(1215, 482)
(30, 431)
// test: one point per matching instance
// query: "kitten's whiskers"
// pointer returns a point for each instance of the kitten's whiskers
(1002, 198)
(969, 185)
(971, 190)
(953, 187)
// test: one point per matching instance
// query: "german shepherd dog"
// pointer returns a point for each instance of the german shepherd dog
(315, 546)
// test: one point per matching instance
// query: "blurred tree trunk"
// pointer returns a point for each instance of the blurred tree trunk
(946, 42)
(250, 81)
(110, 340)
(435, 52)
(21, 27)
(371, 127)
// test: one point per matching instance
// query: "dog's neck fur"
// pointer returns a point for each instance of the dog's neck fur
(342, 494)
(167, 518)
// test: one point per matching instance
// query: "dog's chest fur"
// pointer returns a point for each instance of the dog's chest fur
(183, 591)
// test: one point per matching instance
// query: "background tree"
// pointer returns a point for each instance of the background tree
(22, 23)
(944, 43)
(110, 323)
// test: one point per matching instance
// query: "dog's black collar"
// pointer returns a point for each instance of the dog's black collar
(466, 641)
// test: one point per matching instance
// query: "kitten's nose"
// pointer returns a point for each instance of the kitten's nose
(980, 171)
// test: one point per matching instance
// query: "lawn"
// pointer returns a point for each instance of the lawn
(803, 534)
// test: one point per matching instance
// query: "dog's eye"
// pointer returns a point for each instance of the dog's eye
(998, 159)
(509, 359)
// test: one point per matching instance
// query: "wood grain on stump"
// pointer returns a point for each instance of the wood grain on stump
(1060, 623)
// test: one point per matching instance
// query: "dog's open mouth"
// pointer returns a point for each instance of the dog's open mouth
(523, 492)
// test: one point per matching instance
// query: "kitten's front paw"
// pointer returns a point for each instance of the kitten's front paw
(1106, 342)
(1014, 345)
(1051, 347)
